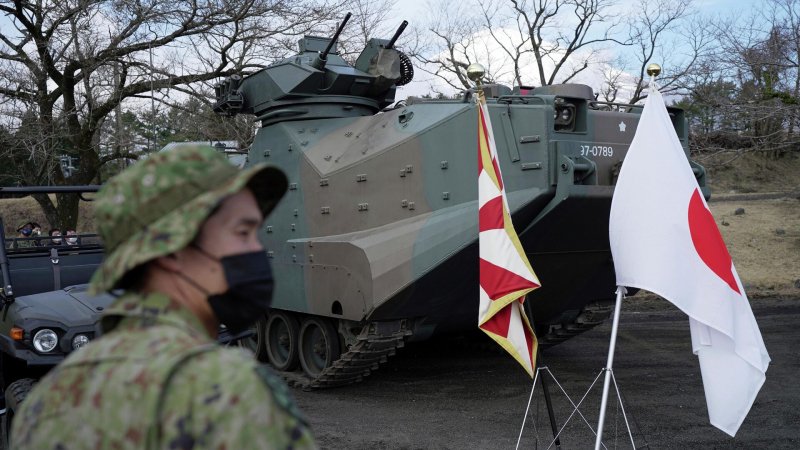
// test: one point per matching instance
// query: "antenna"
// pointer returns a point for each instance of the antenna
(152, 103)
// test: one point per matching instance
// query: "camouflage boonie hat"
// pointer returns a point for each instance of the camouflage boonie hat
(157, 206)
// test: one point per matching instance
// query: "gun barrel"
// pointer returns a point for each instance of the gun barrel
(324, 55)
(397, 34)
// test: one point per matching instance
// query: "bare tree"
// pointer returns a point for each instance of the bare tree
(66, 65)
(744, 98)
(760, 58)
(567, 34)
(648, 27)
(371, 19)
(448, 44)
(787, 13)
(543, 42)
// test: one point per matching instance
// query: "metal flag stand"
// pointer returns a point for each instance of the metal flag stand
(621, 291)
(609, 376)
(653, 70)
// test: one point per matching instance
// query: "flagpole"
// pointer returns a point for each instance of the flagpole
(621, 291)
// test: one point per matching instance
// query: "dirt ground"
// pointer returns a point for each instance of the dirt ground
(460, 393)
(764, 242)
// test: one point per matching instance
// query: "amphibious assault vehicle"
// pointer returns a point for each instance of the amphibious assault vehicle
(375, 242)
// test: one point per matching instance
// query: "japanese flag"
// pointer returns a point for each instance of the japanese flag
(664, 239)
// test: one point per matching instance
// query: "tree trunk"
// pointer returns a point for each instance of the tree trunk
(68, 211)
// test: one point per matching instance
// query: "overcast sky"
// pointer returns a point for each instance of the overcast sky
(416, 11)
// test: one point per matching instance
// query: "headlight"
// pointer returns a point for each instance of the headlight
(45, 340)
(564, 116)
(79, 341)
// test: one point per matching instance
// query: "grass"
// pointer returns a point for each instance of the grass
(17, 211)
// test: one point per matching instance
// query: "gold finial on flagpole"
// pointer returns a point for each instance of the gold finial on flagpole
(653, 70)
(475, 72)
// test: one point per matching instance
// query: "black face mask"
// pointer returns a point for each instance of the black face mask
(249, 293)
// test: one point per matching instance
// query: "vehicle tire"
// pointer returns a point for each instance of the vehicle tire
(15, 393)
(281, 340)
(256, 344)
(319, 345)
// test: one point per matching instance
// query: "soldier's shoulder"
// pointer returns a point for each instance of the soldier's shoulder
(237, 373)
(230, 366)
(157, 344)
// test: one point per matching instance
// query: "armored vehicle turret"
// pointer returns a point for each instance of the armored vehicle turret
(375, 242)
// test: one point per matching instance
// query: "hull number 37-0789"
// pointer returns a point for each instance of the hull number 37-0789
(597, 150)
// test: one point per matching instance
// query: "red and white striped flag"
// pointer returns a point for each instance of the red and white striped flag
(506, 275)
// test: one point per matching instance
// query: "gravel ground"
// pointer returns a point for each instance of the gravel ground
(462, 393)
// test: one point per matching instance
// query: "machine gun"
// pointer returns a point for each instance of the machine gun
(319, 83)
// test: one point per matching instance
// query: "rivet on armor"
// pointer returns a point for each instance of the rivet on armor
(326, 209)
(269, 228)
(292, 186)
(267, 153)
(361, 177)
(402, 173)
(348, 134)
(323, 182)
(411, 205)
(270, 254)
(363, 206)
(445, 196)
(293, 227)
(290, 148)
(404, 203)
(409, 168)
(444, 165)
(294, 258)
(296, 212)
(304, 143)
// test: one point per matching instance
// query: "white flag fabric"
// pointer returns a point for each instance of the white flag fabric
(664, 239)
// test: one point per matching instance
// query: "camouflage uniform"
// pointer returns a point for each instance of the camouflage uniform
(18, 243)
(156, 379)
(24, 244)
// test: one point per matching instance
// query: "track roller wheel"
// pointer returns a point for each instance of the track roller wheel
(282, 340)
(319, 345)
(256, 344)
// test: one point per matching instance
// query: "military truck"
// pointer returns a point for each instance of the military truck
(46, 311)
(375, 242)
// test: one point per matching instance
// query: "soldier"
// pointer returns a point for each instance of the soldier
(25, 231)
(180, 230)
